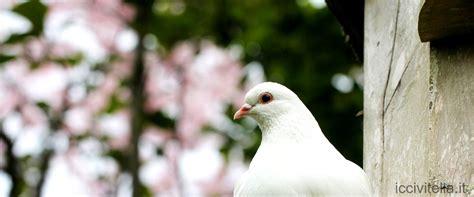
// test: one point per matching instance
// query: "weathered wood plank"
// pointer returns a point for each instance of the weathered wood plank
(391, 117)
(405, 45)
(379, 34)
(452, 113)
(406, 145)
(418, 102)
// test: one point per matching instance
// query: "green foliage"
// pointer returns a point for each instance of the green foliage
(120, 157)
(114, 104)
(5, 58)
(35, 12)
(73, 59)
(250, 151)
(161, 120)
(225, 149)
(145, 191)
(14, 38)
(43, 106)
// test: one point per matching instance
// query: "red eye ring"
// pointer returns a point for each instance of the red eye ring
(265, 98)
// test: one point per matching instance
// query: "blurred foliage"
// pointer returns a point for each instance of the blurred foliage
(161, 120)
(73, 59)
(35, 12)
(299, 46)
(6, 58)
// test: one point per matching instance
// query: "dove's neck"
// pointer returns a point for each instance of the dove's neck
(295, 132)
(295, 126)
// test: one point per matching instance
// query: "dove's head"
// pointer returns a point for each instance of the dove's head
(267, 101)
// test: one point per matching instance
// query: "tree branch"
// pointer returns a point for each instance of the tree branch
(55, 121)
(12, 167)
(136, 107)
(43, 167)
(141, 24)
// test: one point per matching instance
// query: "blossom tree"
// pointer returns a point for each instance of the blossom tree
(90, 98)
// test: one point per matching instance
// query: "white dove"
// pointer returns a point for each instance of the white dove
(294, 157)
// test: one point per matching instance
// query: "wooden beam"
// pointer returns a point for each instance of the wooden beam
(350, 15)
(440, 18)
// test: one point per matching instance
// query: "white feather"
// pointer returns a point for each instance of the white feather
(294, 157)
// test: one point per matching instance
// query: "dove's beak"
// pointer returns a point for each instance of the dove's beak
(243, 111)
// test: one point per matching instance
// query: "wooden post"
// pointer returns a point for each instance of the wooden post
(418, 102)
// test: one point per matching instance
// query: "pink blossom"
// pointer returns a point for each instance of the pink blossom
(36, 49)
(161, 85)
(7, 4)
(9, 99)
(78, 120)
(44, 84)
(61, 50)
(32, 115)
(210, 81)
(98, 98)
(15, 71)
(182, 54)
(116, 127)
(122, 69)
(106, 18)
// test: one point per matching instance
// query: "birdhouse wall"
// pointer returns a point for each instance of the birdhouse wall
(418, 102)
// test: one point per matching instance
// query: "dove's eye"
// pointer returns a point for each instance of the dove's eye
(265, 98)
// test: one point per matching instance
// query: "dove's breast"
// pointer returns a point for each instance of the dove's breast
(296, 171)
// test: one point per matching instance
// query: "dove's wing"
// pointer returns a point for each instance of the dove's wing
(341, 178)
